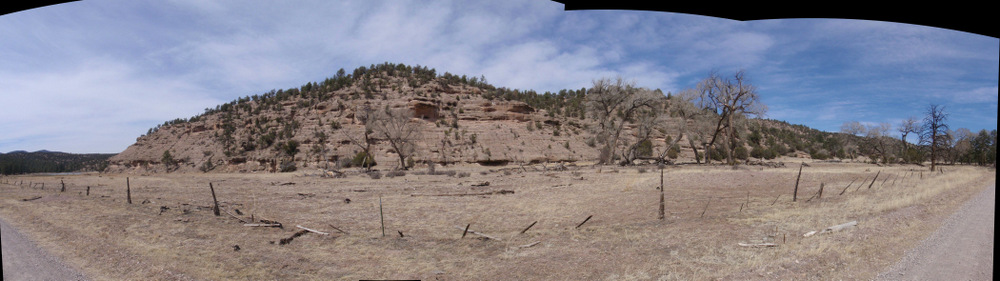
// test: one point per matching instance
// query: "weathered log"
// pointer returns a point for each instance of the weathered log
(289, 239)
(757, 245)
(312, 230)
(338, 229)
(500, 192)
(262, 224)
(235, 217)
(840, 227)
(530, 244)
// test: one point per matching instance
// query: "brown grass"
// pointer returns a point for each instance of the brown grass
(109, 239)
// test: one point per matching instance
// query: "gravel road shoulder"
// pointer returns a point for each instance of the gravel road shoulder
(24, 260)
(962, 249)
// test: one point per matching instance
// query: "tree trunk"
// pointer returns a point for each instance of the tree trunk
(696, 159)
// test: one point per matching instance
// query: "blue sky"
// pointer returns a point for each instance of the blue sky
(91, 76)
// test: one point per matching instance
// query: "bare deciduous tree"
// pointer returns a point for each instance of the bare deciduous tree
(906, 127)
(851, 128)
(681, 106)
(613, 103)
(396, 127)
(365, 116)
(932, 131)
(730, 98)
(876, 142)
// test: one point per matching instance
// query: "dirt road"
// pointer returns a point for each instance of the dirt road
(24, 260)
(962, 249)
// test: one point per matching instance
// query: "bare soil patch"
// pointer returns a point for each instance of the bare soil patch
(171, 233)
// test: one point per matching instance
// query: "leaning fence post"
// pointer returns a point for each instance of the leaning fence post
(215, 209)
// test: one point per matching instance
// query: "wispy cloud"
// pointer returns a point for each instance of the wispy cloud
(100, 73)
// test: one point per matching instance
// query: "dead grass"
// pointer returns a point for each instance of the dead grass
(175, 236)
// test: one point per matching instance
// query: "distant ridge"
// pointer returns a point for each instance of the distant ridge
(45, 161)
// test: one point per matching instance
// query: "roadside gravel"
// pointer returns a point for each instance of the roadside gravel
(962, 249)
(24, 260)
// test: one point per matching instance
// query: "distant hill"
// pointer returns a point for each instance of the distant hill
(43, 161)
(460, 119)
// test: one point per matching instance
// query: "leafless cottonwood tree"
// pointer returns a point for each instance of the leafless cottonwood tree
(851, 128)
(365, 115)
(613, 102)
(907, 127)
(646, 123)
(691, 119)
(932, 131)
(730, 98)
(876, 142)
(396, 127)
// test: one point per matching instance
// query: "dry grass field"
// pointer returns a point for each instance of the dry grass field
(169, 232)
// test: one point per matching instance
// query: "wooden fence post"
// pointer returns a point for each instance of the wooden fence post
(382, 217)
(128, 190)
(526, 228)
(584, 221)
(63, 189)
(875, 178)
(662, 210)
(215, 209)
(795, 194)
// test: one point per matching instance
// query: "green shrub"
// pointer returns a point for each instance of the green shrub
(361, 160)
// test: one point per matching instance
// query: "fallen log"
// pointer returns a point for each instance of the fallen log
(477, 233)
(312, 230)
(834, 228)
(262, 224)
(338, 229)
(284, 241)
(530, 244)
(840, 227)
(32, 198)
(500, 192)
(757, 245)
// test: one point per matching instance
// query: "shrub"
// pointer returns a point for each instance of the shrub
(674, 151)
(463, 174)
(645, 148)
(287, 166)
(741, 153)
(396, 173)
(207, 166)
(375, 174)
(361, 160)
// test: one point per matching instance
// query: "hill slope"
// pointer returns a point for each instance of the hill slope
(460, 120)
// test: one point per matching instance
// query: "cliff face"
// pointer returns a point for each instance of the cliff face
(458, 124)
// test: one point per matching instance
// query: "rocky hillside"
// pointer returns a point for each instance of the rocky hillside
(460, 120)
